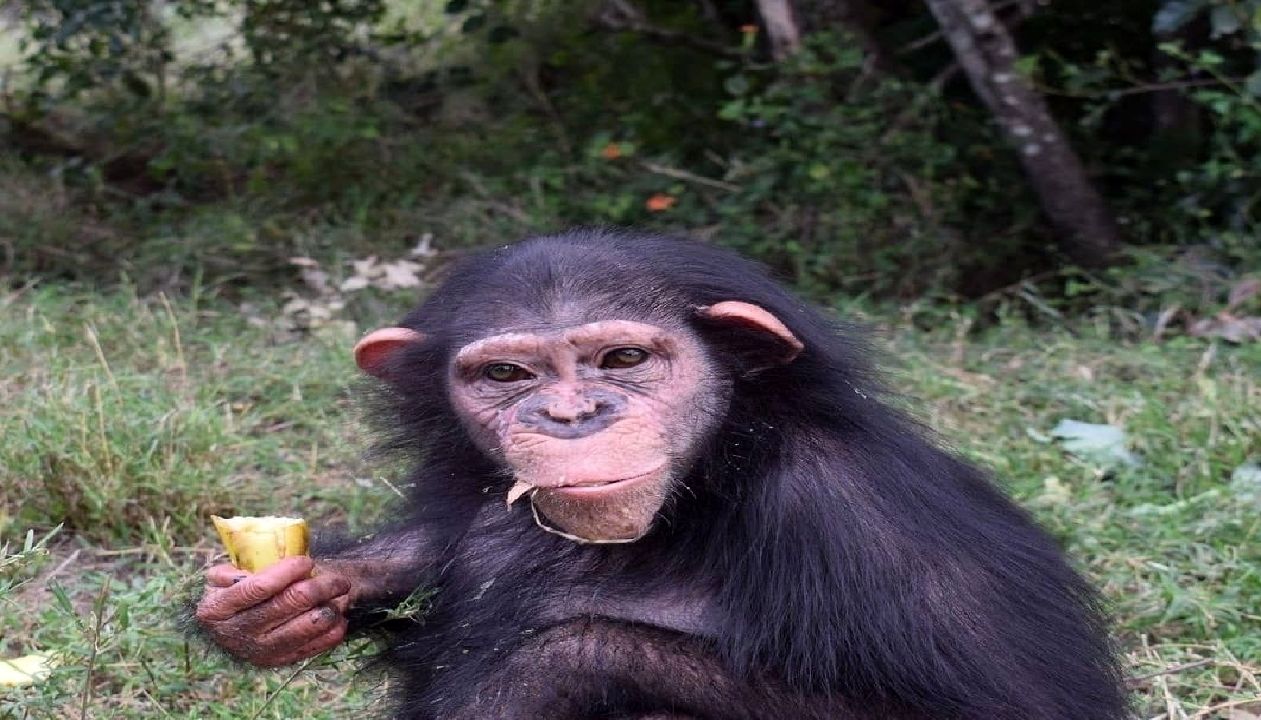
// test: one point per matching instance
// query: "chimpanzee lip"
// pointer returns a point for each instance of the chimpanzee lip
(598, 488)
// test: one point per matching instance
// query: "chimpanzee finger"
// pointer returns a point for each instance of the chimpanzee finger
(254, 589)
(306, 636)
(293, 601)
(224, 575)
(341, 603)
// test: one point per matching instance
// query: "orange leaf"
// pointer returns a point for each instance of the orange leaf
(612, 151)
(660, 202)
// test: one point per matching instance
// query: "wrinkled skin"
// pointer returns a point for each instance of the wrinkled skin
(278, 616)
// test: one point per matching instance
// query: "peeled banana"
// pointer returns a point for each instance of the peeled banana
(254, 543)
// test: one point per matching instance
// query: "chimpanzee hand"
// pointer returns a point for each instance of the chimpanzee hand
(277, 616)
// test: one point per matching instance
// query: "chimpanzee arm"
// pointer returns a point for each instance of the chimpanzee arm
(600, 668)
(385, 567)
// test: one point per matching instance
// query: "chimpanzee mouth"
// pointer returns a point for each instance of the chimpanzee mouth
(594, 512)
(583, 490)
(597, 488)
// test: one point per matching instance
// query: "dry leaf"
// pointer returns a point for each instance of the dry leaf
(355, 282)
(367, 267)
(517, 490)
(295, 305)
(316, 279)
(400, 274)
(1243, 291)
(424, 247)
(1162, 322)
(1228, 327)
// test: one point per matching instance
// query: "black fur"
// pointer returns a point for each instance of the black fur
(839, 558)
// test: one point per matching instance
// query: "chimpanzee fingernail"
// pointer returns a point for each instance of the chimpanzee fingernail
(237, 579)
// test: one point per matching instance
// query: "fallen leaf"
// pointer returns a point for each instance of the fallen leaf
(1245, 481)
(517, 490)
(1162, 321)
(296, 305)
(366, 267)
(1228, 327)
(315, 279)
(1243, 291)
(1098, 443)
(400, 274)
(354, 282)
(424, 247)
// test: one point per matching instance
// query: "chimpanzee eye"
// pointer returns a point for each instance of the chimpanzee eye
(506, 372)
(623, 358)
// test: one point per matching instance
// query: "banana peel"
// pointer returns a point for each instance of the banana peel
(254, 543)
(24, 670)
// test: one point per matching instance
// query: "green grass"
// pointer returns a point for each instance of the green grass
(129, 420)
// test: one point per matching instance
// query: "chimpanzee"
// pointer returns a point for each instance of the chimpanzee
(650, 482)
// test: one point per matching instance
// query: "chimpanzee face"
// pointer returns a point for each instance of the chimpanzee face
(596, 421)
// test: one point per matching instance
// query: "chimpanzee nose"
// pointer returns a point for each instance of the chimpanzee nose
(571, 410)
(572, 415)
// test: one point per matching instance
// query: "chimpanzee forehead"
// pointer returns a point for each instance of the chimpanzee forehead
(560, 292)
(562, 313)
(589, 337)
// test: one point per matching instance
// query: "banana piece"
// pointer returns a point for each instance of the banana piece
(24, 670)
(254, 543)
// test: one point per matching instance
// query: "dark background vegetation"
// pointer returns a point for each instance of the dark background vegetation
(203, 203)
(186, 139)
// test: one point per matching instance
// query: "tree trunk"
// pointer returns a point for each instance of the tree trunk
(1087, 230)
(781, 27)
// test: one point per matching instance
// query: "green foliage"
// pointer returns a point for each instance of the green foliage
(1223, 193)
(355, 125)
(843, 182)
(1169, 104)
(105, 46)
(290, 32)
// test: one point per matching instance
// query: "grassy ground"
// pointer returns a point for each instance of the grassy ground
(130, 420)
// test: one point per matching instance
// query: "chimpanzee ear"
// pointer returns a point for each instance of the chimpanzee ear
(750, 316)
(374, 351)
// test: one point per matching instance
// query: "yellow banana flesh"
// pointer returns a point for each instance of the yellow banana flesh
(254, 543)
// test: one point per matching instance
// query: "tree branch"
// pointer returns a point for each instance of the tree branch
(781, 27)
